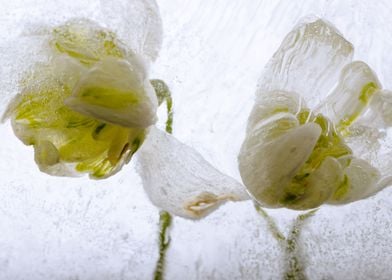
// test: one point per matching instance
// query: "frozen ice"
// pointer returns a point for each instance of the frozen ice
(308, 61)
(212, 56)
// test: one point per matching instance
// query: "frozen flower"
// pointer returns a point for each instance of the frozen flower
(314, 114)
(91, 105)
(87, 108)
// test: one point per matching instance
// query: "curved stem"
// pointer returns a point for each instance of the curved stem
(163, 94)
(295, 269)
(273, 228)
(165, 219)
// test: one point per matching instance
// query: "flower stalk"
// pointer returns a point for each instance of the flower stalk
(294, 268)
(165, 218)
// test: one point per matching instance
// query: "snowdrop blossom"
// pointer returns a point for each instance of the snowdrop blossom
(90, 106)
(318, 132)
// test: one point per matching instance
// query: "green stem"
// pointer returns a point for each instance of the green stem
(295, 268)
(165, 219)
(273, 228)
(163, 94)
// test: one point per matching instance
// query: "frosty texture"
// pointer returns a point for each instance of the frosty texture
(308, 61)
(298, 154)
(85, 109)
(86, 41)
(178, 179)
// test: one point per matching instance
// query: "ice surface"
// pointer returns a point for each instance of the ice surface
(213, 54)
(308, 61)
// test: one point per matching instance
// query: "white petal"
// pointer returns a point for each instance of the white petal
(272, 102)
(116, 91)
(373, 145)
(356, 87)
(379, 113)
(48, 160)
(308, 61)
(137, 23)
(320, 185)
(179, 180)
(86, 41)
(361, 181)
(267, 168)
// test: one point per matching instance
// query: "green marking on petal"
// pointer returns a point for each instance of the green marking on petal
(365, 96)
(61, 135)
(329, 144)
(303, 116)
(342, 190)
(86, 41)
(108, 97)
(367, 92)
(98, 130)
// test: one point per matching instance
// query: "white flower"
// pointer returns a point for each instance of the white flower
(91, 106)
(301, 144)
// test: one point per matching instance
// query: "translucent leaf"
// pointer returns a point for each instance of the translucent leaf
(308, 61)
(116, 91)
(179, 180)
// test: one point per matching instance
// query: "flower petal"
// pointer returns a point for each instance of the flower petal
(179, 180)
(116, 91)
(308, 61)
(267, 168)
(66, 142)
(272, 102)
(137, 23)
(379, 113)
(352, 95)
(86, 41)
(361, 181)
(320, 185)
(373, 145)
